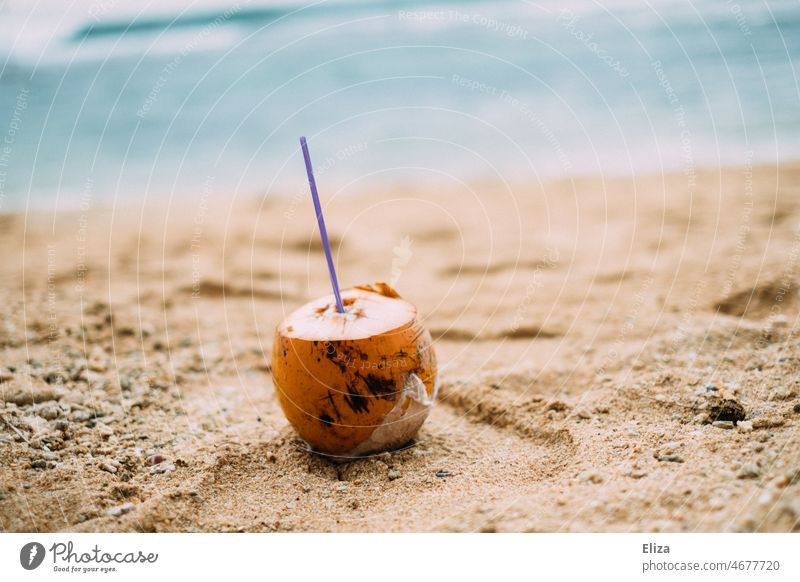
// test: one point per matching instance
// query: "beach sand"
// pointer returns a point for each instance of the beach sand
(587, 330)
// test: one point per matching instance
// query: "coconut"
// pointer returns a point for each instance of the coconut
(357, 382)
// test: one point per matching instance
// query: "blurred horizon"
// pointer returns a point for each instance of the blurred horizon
(156, 100)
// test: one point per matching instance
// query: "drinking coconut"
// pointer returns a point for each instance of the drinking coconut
(359, 381)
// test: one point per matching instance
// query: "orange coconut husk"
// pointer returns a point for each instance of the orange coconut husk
(357, 382)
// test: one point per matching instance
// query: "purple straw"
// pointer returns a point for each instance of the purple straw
(322, 230)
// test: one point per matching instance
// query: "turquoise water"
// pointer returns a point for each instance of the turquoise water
(105, 101)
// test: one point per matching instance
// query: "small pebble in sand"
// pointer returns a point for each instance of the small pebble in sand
(716, 503)
(108, 468)
(780, 393)
(81, 416)
(780, 481)
(62, 425)
(796, 408)
(342, 488)
(672, 458)
(394, 474)
(723, 408)
(670, 447)
(768, 422)
(749, 471)
(120, 509)
(766, 497)
(583, 413)
(744, 426)
(50, 412)
(97, 360)
(637, 472)
(442, 473)
(162, 468)
(779, 321)
(726, 424)
(104, 430)
(592, 477)
(156, 459)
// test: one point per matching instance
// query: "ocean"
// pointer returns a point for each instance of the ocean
(114, 99)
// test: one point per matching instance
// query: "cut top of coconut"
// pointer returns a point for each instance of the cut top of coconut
(369, 311)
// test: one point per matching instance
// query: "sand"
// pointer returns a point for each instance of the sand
(589, 332)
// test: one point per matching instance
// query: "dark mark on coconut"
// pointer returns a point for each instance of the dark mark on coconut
(356, 401)
(326, 419)
(331, 355)
(333, 405)
(380, 387)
